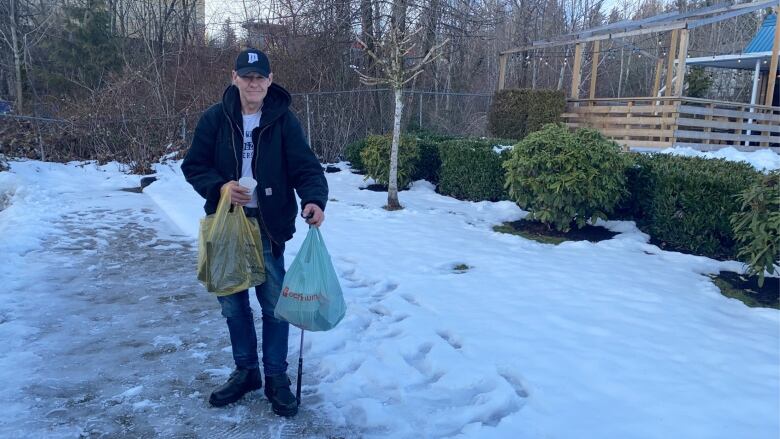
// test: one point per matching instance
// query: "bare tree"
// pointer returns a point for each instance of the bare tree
(396, 70)
(22, 25)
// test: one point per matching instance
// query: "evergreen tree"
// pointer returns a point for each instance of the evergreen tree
(85, 51)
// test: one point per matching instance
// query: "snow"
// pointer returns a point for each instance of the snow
(616, 339)
(763, 159)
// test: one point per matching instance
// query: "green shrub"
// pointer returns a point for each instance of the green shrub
(376, 159)
(429, 161)
(471, 170)
(515, 113)
(757, 225)
(687, 202)
(566, 178)
(352, 154)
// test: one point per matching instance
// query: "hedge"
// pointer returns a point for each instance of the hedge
(471, 170)
(516, 113)
(352, 154)
(687, 202)
(376, 159)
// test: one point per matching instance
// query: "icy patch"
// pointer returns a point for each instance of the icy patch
(163, 340)
(128, 394)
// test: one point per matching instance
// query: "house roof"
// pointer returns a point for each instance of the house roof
(739, 61)
(759, 49)
(762, 41)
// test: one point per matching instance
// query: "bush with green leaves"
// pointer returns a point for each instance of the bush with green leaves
(376, 159)
(516, 113)
(471, 170)
(687, 202)
(757, 225)
(352, 154)
(566, 178)
(429, 161)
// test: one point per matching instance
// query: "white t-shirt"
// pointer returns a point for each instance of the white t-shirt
(251, 122)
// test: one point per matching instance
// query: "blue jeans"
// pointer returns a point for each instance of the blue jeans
(241, 324)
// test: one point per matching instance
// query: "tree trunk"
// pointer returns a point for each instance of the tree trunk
(17, 55)
(392, 186)
(367, 25)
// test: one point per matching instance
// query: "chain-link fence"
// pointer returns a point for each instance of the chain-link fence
(331, 120)
(334, 119)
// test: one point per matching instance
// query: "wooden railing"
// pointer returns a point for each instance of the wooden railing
(666, 121)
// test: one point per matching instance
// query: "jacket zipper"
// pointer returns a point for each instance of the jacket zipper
(254, 166)
(236, 128)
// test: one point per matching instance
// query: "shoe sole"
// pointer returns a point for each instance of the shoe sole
(224, 402)
(286, 413)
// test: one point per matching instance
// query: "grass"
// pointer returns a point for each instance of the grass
(461, 268)
(539, 232)
(747, 295)
(544, 239)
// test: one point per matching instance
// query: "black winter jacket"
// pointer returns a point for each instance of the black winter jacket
(283, 160)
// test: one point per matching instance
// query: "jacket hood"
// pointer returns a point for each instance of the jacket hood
(276, 103)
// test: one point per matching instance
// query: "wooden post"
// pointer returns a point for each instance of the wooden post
(576, 72)
(772, 76)
(628, 124)
(670, 63)
(659, 65)
(594, 69)
(676, 116)
(708, 118)
(502, 70)
(682, 57)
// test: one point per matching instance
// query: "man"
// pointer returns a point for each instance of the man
(253, 133)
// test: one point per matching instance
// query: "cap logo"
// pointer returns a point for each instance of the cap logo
(252, 58)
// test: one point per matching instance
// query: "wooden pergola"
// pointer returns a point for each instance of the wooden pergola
(659, 121)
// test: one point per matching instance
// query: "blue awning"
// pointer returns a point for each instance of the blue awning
(762, 41)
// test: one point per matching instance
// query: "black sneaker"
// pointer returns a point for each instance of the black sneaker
(240, 382)
(277, 390)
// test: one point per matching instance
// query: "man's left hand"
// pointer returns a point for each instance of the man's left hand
(317, 215)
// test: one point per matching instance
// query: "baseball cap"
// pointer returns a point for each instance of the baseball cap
(252, 61)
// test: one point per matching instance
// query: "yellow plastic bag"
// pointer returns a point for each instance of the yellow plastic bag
(230, 251)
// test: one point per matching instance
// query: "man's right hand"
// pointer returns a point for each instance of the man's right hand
(238, 195)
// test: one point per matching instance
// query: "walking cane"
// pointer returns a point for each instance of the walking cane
(300, 350)
(300, 371)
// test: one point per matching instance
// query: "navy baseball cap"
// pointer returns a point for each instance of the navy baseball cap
(252, 61)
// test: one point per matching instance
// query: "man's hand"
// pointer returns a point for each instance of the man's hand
(313, 214)
(238, 195)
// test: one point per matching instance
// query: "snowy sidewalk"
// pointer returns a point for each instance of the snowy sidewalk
(106, 332)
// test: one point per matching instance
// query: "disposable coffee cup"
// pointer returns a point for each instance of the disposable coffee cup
(249, 183)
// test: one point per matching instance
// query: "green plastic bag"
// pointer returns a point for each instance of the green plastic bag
(230, 251)
(311, 296)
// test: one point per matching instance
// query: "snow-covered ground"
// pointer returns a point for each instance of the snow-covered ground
(107, 332)
(763, 159)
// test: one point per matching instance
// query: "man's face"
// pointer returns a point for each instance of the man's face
(252, 86)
